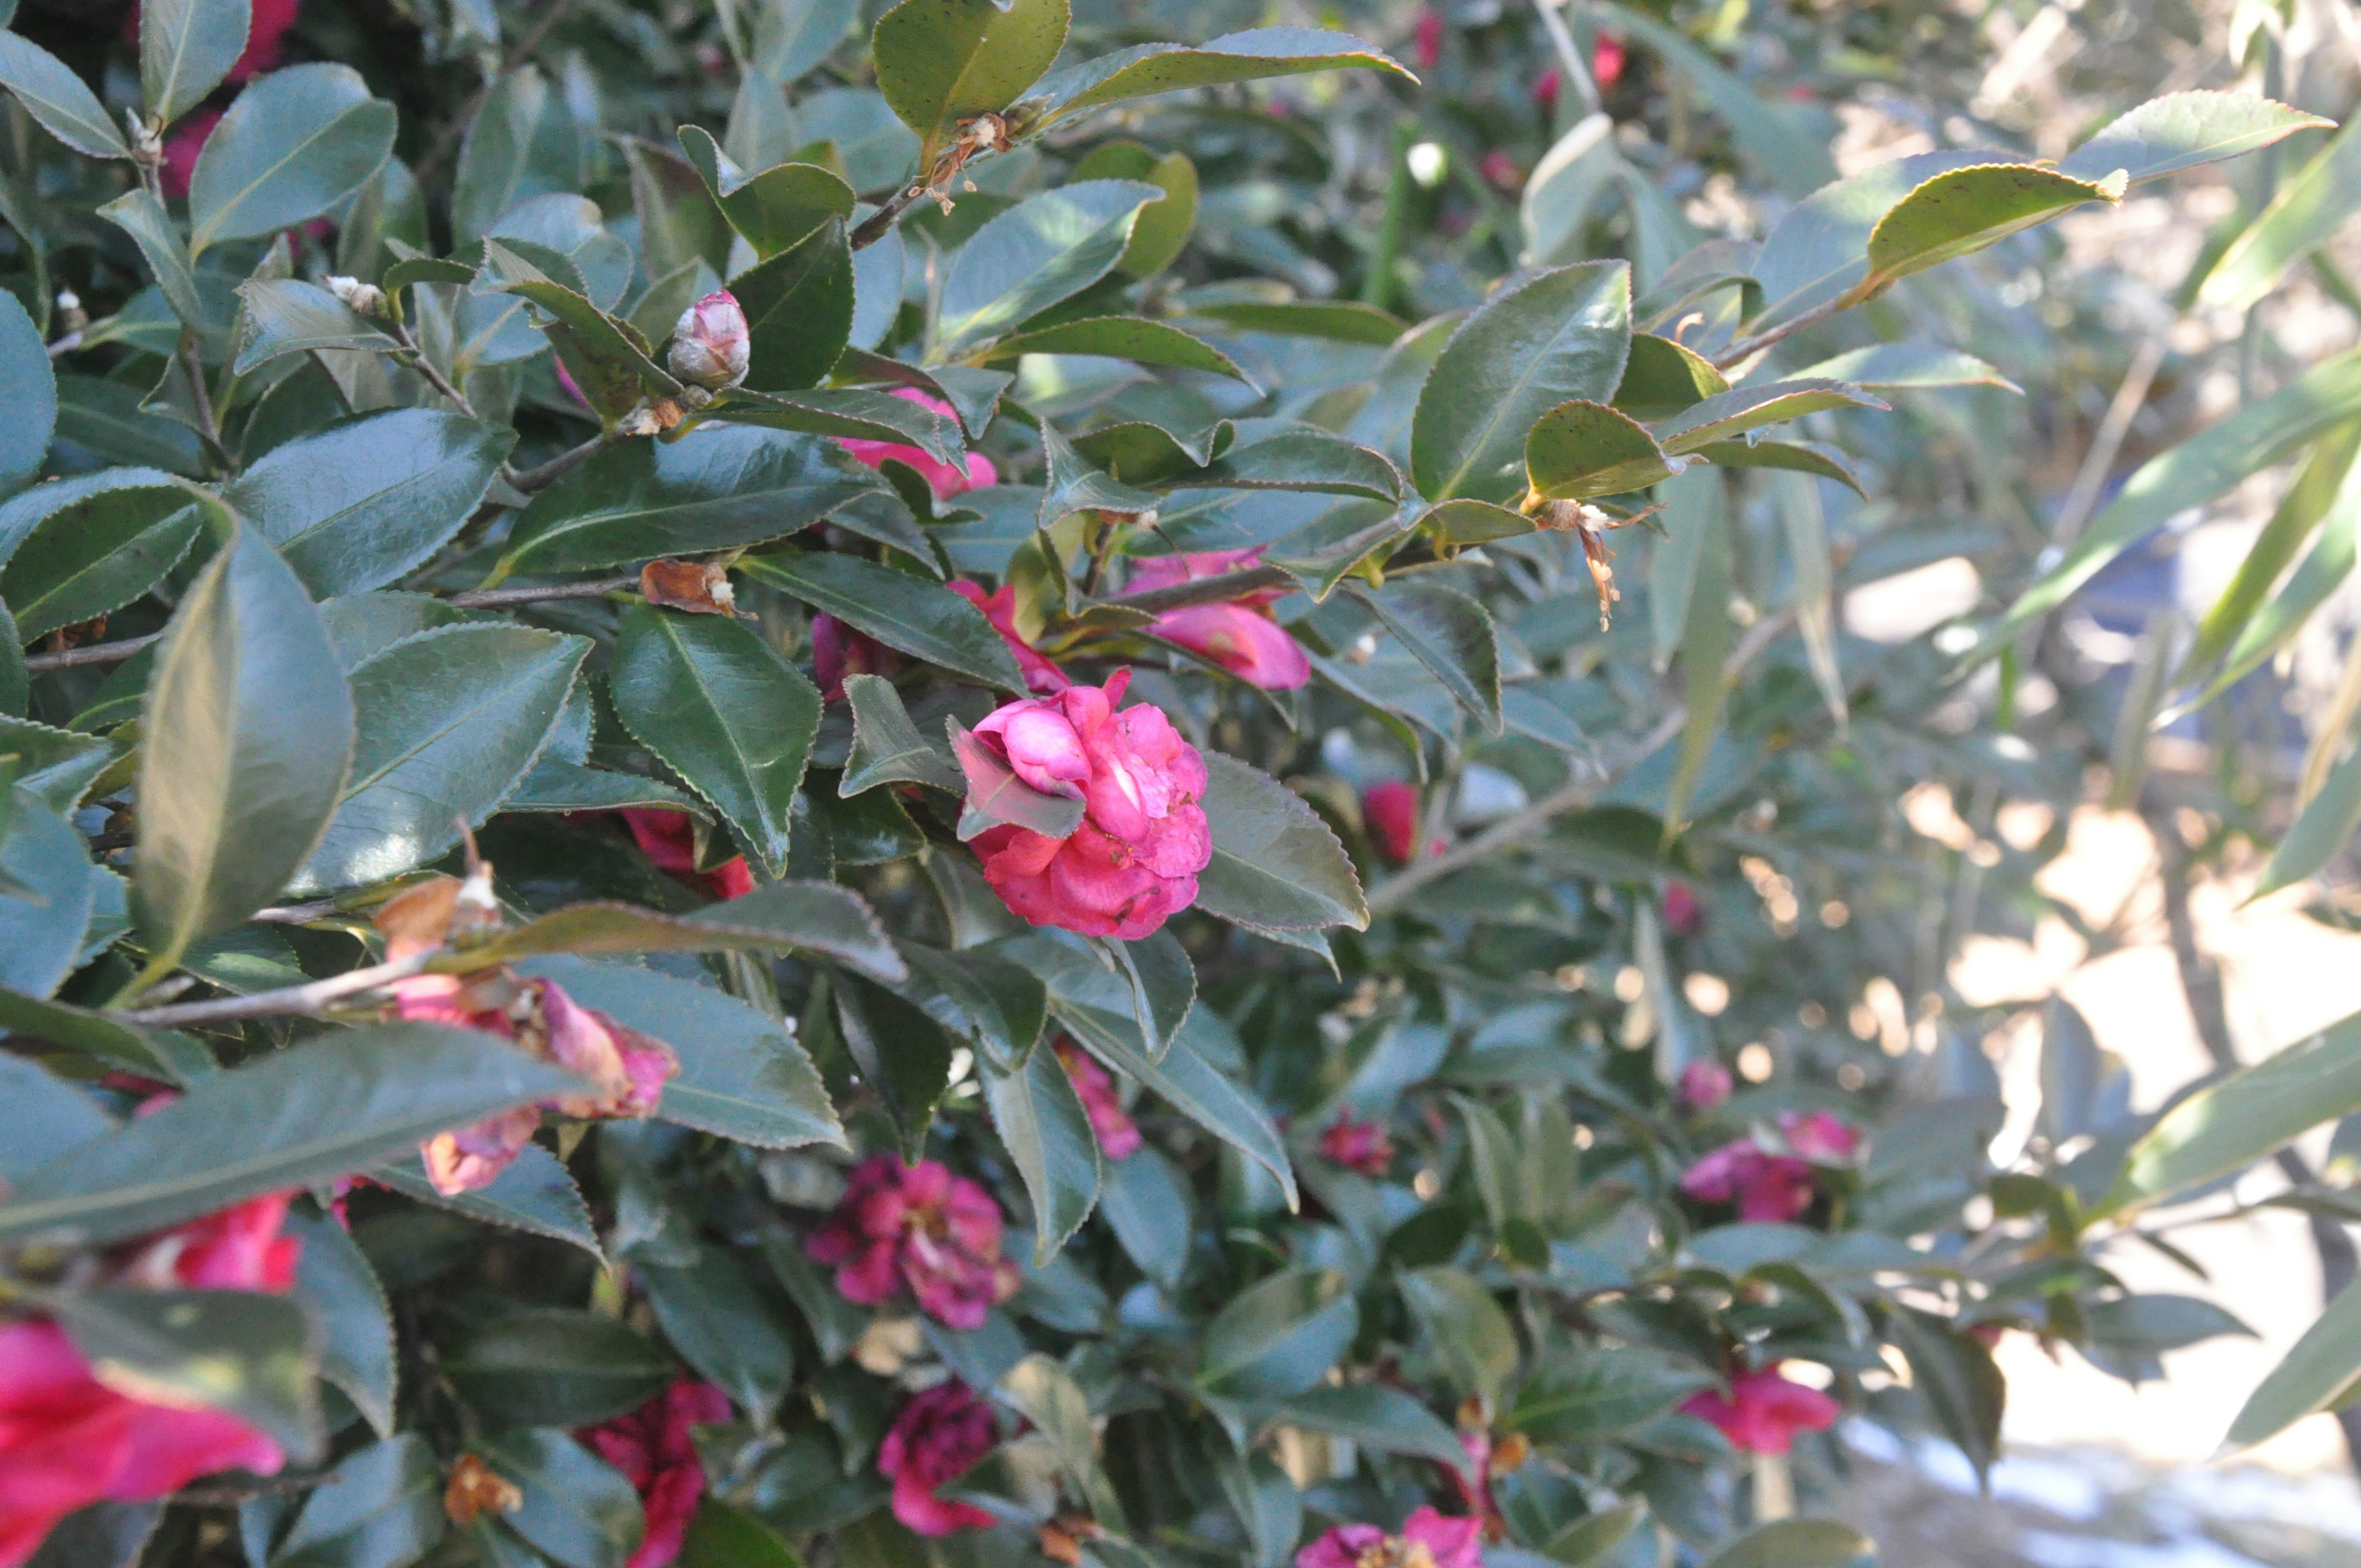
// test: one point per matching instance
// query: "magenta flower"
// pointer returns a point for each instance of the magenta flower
(1428, 1539)
(709, 343)
(999, 608)
(1546, 87)
(941, 477)
(838, 651)
(1501, 171)
(1118, 1138)
(917, 1226)
(1389, 812)
(1133, 861)
(669, 840)
(1763, 1411)
(1768, 1188)
(1819, 1136)
(936, 1437)
(656, 1451)
(1684, 915)
(1426, 41)
(1705, 1085)
(1365, 1146)
(1240, 636)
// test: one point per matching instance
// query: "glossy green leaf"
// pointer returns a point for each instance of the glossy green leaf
(1742, 409)
(1163, 986)
(1600, 1390)
(1340, 321)
(1470, 1337)
(901, 1051)
(447, 723)
(382, 1507)
(2306, 213)
(336, 1104)
(1040, 251)
(607, 356)
(812, 916)
(725, 712)
(104, 419)
(1275, 863)
(186, 47)
(999, 1006)
(742, 1076)
(2184, 130)
(55, 96)
(556, 1367)
(294, 144)
(1282, 455)
(287, 315)
(51, 1116)
(535, 1194)
(798, 309)
(1963, 210)
(83, 561)
(1047, 1136)
(139, 213)
(364, 503)
(576, 1510)
(858, 413)
(1796, 1544)
(334, 1278)
(1902, 366)
(921, 618)
(1279, 1337)
(1790, 456)
(1581, 449)
(724, 1326)
(1147, 1205)
(1163, 229)
(249, 732)
(774, 209)
(31, 389)
(1134, 338)
(1662, 377)
(1374, 1417)
(887, 747)
(940, 62)
(2316, 1374)
(1451, 634)
(1563, 334)
(716, 489)
(523, 143)
(1255, 55)
(1819, 249)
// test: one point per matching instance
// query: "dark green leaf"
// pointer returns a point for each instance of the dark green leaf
(105, 419)
(725, 1536)
(813, 916)
(152, 1053)
(1600, 1390)
(1275, 863)
(287, 315)
(1589, 1538)
(1042, 250)
(31, 387)
(856, 413)
(139, 213)
(186, 47)
(2155, 1323)
(724, 1327)
(534, 1194)
(775, 208)
(550, 1367)
(798, 309)
(1147, 1202)
(578, 1509)
(1582, 449)
(1279, 1337)
(523, 143)
(1047, 1136)
(249, 1356)
(1742, 409)
(58, 99)
(1339, 321)
(940, 62)
(922, 618)
(1954, 1375)
(999, 1005)
(1119, 338)
(1469, 1336)
(1374, 1417)
(381, 1507)
(1279, 454)
(293, 144)
(887, 745)
(335, 1281)
(48, 1116)
(904, 1054)
(83, 561)
(1794, 456)
(1250, 55)
(1451, 634)
(1662, 377)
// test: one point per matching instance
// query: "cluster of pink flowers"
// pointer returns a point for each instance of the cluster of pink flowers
(1365, 1146)
(626, 1069)
(936, 1435)
(945, 480)
(669, 840)
(1428, 1539)
(1118, 1138)
(1239, 635)
(1133, 860)
(917, 1226)
(655, 1449)
(1770, 1187)
(1763, 1411)
(68, 1440)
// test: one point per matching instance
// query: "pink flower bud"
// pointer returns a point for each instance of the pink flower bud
(1389, 812)
(1546, 88)
(1684, 914)
(708, 343)
(1501, 171)
(1607, 60)
(1426, 45)
(1705, 1085)
(1365, 1146)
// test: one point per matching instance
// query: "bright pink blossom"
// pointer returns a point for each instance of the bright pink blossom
(669, 840)
(1819, 1136)
(1607, 60)
(1684, 915)
(1546, 88)
(1389, 812)
(68, 1440)
(1365, 1146)
(710, 346)
(1763, 1411)
(936, 1437)
(999, 608)
(1767, 1187)
(941, 477)
(1428, 1539)
(1118, 1136)
(917, 1226)
(1239, 634)
(1133, 861)
(1705, 1085)
(1426, 41)
(656, 1451)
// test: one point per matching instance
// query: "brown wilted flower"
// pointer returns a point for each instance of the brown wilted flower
(475, 1488)
(699, 587)
(1062, 1537)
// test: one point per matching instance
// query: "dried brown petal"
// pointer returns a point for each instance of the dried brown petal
(475, 1489)
(699, 587)
(1062, 1537)
(418, 920)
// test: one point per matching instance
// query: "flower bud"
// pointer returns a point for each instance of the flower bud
(365, 297)
(708, 343)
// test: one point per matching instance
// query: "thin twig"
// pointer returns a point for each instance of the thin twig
(94, 653)
(295, 1000)
(67, 344)
(415, 358)
(879, 224)
(487, 598)
(297, 914)
(565, 463)
(2106, 442)
(1746, 348)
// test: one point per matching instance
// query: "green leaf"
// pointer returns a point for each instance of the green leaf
(743, 1075)
(1581, 449)
(104, 419)
(523, 143)
(447, 723)
(1275, 863)
(719, 487)
(50, 1116)
(813, 916)
(2155, 1323)
(2183, 130)
(798, 309)
(1470, 1337)
(1596, 1391)
(186, 47)
(1796, 1544)
(996, 1004)
(2317, 1374)
(55, 96)
(775, 208)
(1902, 366)
(294, 144)
(2266, 431)
(336, 1104)
(1372, 1416)
(1791, 457)
(153, 1053)
(941, 62)
(1782, 145)
(1134, 338)
(83, 561)
(535, 1194)
(1047, 1134)
(334, 1279)
(139, 213)
(2322, 570)
(1339, 321)
(576, 1510)
(1589, 1538)
(1074, 485)
(723, 1327)
(887, 745)
(2309, 210)
(1147, 1202)
(1281, 455)
(249, 1356)
(1163, 229)
(2319, 831)
(1955, 1377)
(1054, 1406)
(1705, 676)
(287, 315)
(1741, 408)
(1251, 56)
(249, 734)
(31, 389)
(1561, 334)
(996, 796)
(367, 502)
(1163, 986)
(1663, 378)
(725, 1536)
(608, 357)
(382, 1507)
(1818, 250)
(922, 618)
(1448, 633)
(554, 784)
(1279, 1337)
(901, 1051)
(1962, 211)
(1044, 249)
(550, 1366)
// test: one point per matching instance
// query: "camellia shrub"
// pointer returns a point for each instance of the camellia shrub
(875, 789)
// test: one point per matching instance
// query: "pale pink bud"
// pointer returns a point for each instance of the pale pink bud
(708, 342)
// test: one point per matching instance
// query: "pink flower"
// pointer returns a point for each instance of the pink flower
(1763, 1411)
(1365, 1146)
(1819, 1136)
(181, 150)
(1133, 861)
(627, 1070)
(919, 1226)
(941, 477)
(936, 1437)
(1426, 43)
(999, 608)
(838, 651)
(1118, 1138)
(669, 840)
(1238, 635)
(1684, 915)
(1390, 811)
(1768, 1188)
(1486, 1462)
(1607, 59)
(1428, 1539)
(68, 1440)
(654, 1449)
(709, 343)
(1546, 88)
(1500, 170)
(1705, 1085)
